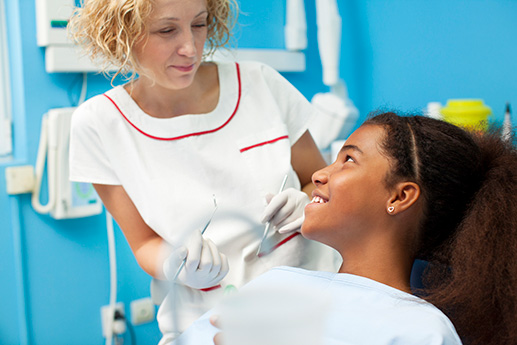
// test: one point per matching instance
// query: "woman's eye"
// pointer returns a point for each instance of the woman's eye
(349, 159)
(166, 31)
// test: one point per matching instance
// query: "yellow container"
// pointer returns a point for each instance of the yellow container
(470, 113)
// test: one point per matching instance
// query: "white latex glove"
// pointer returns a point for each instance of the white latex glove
(285, 210)
(205, 266)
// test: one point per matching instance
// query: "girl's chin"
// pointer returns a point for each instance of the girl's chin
(314, 233)
(307, 231)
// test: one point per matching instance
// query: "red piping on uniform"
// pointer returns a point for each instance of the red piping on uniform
(191, 134)
(281, 243)
(264, 143)
(211, 288)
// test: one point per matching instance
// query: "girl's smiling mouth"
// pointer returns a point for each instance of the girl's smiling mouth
(318, 200)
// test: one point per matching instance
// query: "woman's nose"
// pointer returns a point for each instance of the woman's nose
(188, 45)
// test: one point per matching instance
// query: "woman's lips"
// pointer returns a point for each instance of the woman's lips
(186, 68)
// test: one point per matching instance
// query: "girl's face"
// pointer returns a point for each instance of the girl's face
(172, 52)
(351, 196)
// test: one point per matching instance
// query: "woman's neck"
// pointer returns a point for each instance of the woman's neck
(200, 97)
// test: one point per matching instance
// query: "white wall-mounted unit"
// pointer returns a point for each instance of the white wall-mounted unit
(68, 59)
(62, 58)
(279, 59)
(295, 31)
(66, 199)
(51, 20)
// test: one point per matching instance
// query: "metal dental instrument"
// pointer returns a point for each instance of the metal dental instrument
(268, 224)
(202, 232)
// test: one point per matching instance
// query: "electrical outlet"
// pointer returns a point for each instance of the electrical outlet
(142, 311)
(116, 325)
(20, 179)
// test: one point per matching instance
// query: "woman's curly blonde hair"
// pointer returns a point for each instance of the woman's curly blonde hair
(107, 30)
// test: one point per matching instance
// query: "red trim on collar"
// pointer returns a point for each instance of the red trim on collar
(264, 143)
(190, 134)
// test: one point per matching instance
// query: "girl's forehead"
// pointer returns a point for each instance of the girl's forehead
(368, 136)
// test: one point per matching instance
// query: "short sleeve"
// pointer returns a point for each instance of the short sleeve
(88, 160)
(296, 109)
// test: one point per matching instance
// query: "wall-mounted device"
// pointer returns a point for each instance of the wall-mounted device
(51, 21)
(65, 199)
(61, 55)
(295, 31)
(338, 113)
(329, 39)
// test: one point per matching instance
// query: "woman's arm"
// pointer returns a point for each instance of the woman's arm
(148, 247)
(306, 159)
(285, 209)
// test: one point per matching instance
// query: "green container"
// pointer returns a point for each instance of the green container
(469, 113)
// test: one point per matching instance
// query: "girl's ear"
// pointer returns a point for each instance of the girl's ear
(404, 195)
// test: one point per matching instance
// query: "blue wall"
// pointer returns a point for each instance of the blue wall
(410, 52)
(395, 53)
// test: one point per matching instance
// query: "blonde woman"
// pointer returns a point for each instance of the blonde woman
(183, 132)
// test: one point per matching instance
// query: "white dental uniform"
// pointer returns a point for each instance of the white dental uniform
(362, 311)
(172, 167)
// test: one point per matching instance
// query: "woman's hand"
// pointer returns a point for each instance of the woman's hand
(285, 210)
(205, 266)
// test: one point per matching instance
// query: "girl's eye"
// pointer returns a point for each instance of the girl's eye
(200, 25)
(349, 159)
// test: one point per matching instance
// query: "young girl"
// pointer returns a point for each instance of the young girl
(404, 188)
(184, 135)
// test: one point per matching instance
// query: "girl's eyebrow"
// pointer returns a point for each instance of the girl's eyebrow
(350, 147)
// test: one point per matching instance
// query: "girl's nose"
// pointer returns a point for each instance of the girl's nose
(320, 177)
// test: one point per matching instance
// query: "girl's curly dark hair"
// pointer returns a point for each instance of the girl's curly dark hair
(468, 231)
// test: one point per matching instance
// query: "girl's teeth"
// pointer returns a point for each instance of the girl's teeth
(318, 200)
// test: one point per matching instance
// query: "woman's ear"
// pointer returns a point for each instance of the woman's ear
(404, 195)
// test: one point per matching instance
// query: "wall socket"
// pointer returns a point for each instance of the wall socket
(142, 311)
(19, 179)
(118, 327)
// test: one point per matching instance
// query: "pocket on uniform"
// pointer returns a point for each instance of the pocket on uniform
(268, 157)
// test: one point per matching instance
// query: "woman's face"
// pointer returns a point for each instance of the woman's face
(172, 52)
(351, 196)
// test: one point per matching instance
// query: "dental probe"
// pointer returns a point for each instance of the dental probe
(202, 232)
(268, 224)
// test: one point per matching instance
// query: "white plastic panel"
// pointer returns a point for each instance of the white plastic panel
(279, 59)
(73, 199)
(51, 19)
(69, 59)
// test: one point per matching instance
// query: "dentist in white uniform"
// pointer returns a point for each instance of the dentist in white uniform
(160, 146)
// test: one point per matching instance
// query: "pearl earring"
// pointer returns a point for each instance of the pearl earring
(391, 209)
